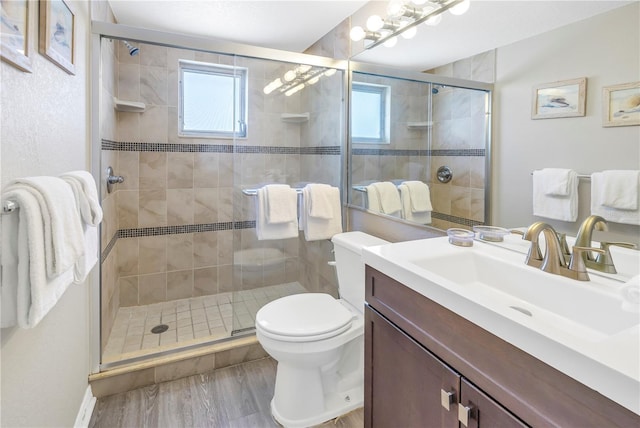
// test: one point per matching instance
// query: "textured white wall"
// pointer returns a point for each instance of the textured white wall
(606, 50)
(45, 131)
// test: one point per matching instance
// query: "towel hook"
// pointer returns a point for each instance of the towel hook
(112, 179)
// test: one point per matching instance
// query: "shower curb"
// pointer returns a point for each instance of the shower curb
(176, 366)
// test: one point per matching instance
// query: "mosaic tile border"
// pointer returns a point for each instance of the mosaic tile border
(218, 148)
(174, 230)
(411, 152)
(455, 219)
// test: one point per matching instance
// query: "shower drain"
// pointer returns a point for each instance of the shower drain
(159, 329)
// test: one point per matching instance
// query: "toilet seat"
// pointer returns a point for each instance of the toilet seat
(303, 318)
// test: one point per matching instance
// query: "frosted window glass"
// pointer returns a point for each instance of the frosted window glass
(369, 113)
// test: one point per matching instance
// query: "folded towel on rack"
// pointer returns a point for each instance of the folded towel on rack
(388, 197)
(419, 196)
(267, 230)
(407, 212)
(620, 189)
(555, 181)
(282, 202)
(317, 228)
(373, 201)
(557, 207)
(63, 234)
(615, 215)
(321, 200)
(9, 262)
(86, 194)
(35, 291)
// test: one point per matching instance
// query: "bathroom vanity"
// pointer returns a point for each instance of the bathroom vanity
(426, 365)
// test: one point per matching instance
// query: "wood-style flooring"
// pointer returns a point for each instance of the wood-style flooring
(236, 396)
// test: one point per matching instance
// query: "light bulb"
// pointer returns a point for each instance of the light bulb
(303, 68)
(289, 75)
(313, 80)
(460, 8)
(434, 20)
(395, 9)
(374, 23)
(409, 33)
(276, 83)
(330, 72)
(357, 34)
(391, 42)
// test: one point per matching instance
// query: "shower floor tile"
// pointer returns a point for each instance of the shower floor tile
(189, 321)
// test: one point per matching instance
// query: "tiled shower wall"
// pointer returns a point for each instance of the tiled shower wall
(458, 126)
(180, 225)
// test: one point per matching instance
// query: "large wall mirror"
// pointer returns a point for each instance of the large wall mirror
(410, 129)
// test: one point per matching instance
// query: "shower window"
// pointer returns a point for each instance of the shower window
(213, 100)
(370, 113)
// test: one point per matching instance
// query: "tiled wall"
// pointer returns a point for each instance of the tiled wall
(455, 139)
(183, 227)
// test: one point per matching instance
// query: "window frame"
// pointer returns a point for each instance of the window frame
(385, 95)
(229, 71)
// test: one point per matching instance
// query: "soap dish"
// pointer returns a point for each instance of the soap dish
(491, 233)
(460, 237)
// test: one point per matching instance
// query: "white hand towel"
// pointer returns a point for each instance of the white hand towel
(320, 201)
(554, 181)
(63, 235)
(36, 292)
(316, 228)
(86, 193)
(266, 230)
(373, 201)
(419, 196)
(620, 189)
(389, 198)
(282, 203)
(89, 259)
(407, 211)
(608, 213)
(563, 208)
(9, 289)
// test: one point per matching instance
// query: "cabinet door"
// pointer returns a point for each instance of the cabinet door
(405, 385)
(477, 410)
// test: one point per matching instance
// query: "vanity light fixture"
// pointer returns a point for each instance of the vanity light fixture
(296, 79)
(403, 17)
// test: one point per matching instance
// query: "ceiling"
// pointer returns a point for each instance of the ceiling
(296, 25)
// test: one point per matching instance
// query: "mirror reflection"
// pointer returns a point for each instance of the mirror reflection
(419, 147)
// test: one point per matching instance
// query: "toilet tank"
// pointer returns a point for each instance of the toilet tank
(350, 266)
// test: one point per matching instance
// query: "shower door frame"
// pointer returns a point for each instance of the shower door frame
(100, 30)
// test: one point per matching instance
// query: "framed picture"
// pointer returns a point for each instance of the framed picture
(565, 98)
(621, 104)
(57, 28)
(14, 34)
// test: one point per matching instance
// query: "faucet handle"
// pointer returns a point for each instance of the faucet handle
(517, 232)
(577, 264)
(562, 239)
(604, 261)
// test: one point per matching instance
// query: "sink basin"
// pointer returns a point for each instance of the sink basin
(551, 300)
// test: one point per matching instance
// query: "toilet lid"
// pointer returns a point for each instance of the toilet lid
(304, 315)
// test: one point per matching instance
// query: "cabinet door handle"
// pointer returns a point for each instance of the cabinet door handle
(447, 398)
(465, 413)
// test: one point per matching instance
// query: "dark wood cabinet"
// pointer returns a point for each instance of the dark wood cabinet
(417, 352)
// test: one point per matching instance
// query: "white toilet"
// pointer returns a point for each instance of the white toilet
(318, 342)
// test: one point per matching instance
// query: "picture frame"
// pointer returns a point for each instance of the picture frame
(15, 43)
(564, 98)
(57, 33)
(621, 105)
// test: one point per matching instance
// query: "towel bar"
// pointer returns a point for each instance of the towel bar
(362, 189)
(583, 176)
(9, 207)
(254, 192)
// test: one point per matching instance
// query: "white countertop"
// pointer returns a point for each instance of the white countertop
(609, 365)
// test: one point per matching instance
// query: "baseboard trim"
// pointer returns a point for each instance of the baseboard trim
(86, 409)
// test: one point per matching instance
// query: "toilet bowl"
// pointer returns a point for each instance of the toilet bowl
(318, 342)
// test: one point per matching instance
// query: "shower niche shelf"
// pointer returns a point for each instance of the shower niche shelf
(128, 106)
(419, 125)
(294, 117)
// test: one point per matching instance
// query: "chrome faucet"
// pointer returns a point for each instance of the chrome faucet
(554, 260)
(603, 262)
